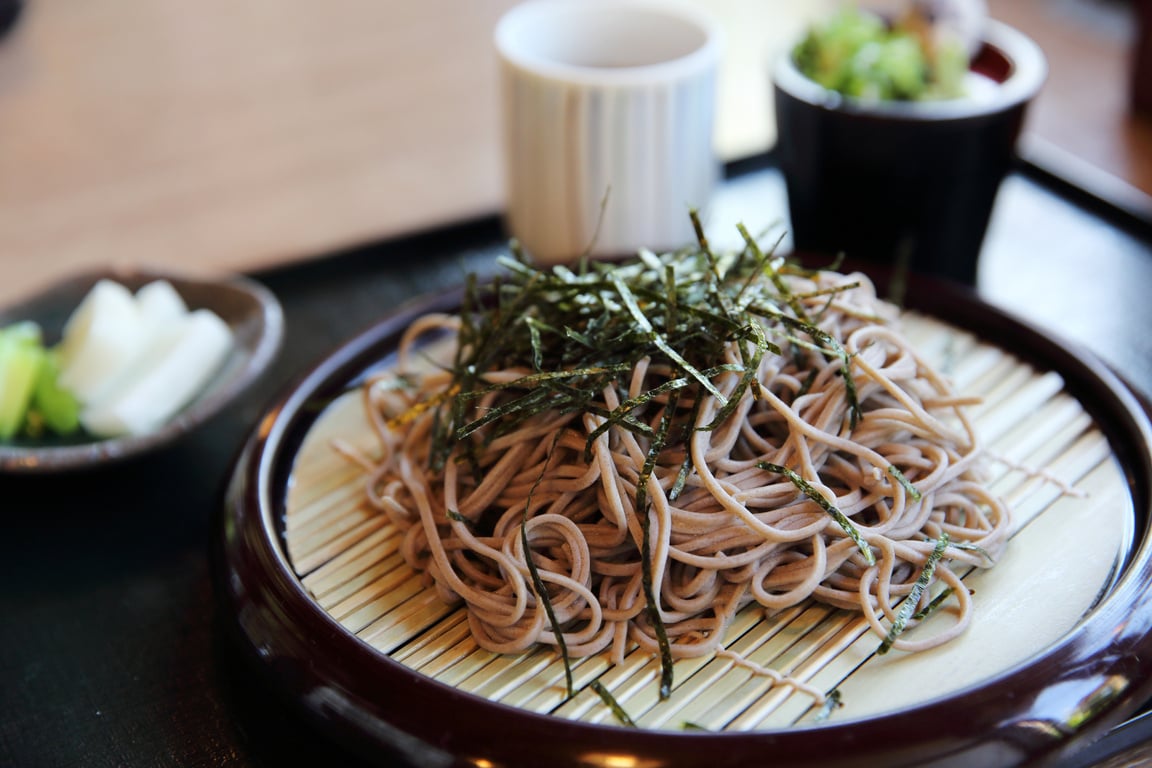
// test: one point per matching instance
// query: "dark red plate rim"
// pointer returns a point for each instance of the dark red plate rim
(1055, 704)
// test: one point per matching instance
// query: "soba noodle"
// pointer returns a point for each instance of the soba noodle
(726, 524)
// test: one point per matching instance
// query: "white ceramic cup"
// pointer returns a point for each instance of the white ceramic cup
(608, 119)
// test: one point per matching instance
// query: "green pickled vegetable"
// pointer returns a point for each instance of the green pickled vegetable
(21, 358)
(857, 54)
(31, 398)
(56, 406)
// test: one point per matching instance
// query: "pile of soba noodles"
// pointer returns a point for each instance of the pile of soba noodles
(628, 454)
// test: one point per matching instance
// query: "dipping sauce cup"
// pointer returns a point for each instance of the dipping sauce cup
(608, 124)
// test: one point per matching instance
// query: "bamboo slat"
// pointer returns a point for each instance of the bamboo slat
(1053, 466)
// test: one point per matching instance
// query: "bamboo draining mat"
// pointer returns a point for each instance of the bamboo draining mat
(1065, 550)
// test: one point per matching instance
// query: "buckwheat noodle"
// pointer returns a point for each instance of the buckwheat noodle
(737, 533)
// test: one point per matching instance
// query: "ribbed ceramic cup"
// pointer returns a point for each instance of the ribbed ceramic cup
(608, 122)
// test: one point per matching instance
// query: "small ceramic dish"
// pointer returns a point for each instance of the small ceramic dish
(251, 312)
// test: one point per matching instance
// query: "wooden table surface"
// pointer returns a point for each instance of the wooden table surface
(235, 135)
(240, 134)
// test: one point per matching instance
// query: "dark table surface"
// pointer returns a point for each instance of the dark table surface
(113, 644)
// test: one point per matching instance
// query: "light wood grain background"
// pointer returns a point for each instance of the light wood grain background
(234, 135)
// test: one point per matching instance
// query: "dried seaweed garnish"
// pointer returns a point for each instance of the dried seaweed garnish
(831, 292)
(531, 399)
(577, 333)
(679, 309)
(832, 701)
(620, 415)
(809, 380)
(763, 259)
(714, 272)
(774, 275)
(832, 346)
(908, 607)
(661, 343)
(423, 406)
(651, 594)
(686, 465)
(934, 605)
(607, 697)
(538, 585)
(910, 489)
(760, 347)
(971, 546)
(534, 327)
(810, 491)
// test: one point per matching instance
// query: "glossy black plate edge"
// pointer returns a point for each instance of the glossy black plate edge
(1053, 706)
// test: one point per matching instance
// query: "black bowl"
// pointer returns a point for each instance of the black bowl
(904, 182)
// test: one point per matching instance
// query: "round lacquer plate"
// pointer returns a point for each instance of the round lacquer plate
(1058, 652)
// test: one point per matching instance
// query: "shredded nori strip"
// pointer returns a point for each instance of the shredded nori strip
(908, 607)
(651, 594)
(969, 546)
(833, 346)
(581, 331)
(841, 519)
(831, 702)
(934, 606)
(910, 489)
(660, 342)
(538, 585)
(773, 275)
(607, 697)
(751, 368)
